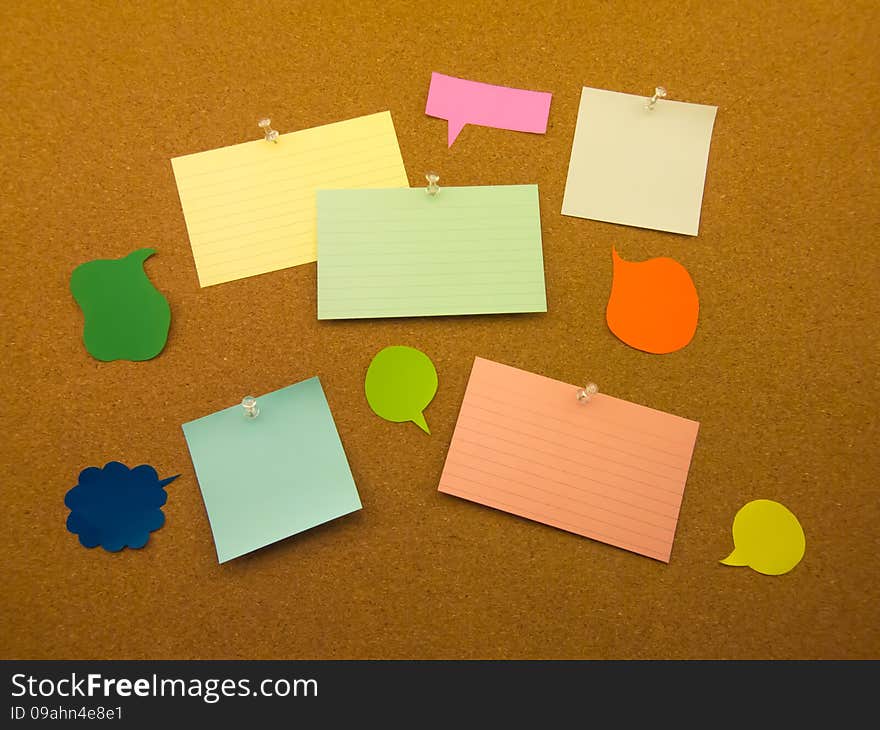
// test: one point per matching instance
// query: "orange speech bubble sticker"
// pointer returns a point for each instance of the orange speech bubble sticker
(653, 304)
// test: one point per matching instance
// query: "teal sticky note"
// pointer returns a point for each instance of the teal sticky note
(267, 478)
(404, 253)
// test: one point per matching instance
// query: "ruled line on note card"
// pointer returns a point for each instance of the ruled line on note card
(609, 469)
(250, 208)
(400, 253)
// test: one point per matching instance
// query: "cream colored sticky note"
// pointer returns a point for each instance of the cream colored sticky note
(250, 208)
(636, 166)
(607, 469)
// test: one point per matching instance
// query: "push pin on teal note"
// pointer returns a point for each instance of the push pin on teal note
(270, 134)
(585, 394)
(659, 93)
(433, 188)
(251, 409)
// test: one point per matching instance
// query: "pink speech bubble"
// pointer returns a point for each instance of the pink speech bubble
(470, 102)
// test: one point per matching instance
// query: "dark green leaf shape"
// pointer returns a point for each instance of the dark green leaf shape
(126, 317)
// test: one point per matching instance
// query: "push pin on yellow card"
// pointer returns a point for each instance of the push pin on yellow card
(251, 409)
(270, 134)
(659, 93)
(585, 394)
(433, 188)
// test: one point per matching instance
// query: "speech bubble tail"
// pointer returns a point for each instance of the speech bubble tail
(166, 482)
(455, 127)
(734, 559)
(420, 421)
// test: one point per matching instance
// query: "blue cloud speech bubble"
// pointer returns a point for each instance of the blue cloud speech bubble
(116, 507)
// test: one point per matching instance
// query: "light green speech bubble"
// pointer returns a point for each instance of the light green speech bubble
(401, 382)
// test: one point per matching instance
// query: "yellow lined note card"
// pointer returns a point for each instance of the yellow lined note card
(250, 208)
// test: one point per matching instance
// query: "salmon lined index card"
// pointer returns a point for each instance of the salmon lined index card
(250, 208)
(606, 469)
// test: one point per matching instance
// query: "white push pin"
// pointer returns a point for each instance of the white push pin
(270, 134)
(659, 93)
(251, 409)
(585, 394)
(433, 187)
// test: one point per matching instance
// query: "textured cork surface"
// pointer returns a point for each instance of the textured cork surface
(96, 99)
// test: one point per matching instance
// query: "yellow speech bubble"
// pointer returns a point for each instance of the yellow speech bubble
(767, 537)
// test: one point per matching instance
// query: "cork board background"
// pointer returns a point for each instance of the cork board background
(782, 373)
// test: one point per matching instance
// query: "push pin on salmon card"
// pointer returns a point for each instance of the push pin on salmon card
(470, 102)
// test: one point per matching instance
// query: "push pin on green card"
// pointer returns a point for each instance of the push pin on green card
(659, 93)
(251, 409)
(270, 134)
(585, 394)
(433, 188)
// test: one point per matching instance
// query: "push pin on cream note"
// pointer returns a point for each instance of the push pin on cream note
(659, 93)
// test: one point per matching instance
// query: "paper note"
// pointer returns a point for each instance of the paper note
(606, 469)
(400, 383)
(116, 507)
(653, 304)
(636, 166)
(250, 208)
(768, 538)
(126, 317)
(267, 478)
(404, 253)
(470, 102)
